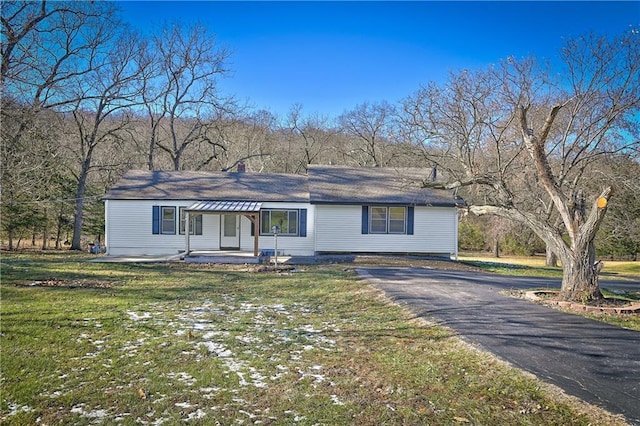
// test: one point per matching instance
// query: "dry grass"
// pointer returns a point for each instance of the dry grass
(169, 344)
(534, 265)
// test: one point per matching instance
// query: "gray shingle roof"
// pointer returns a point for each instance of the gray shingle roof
(322, 185)
(339, 185)
(167, 185)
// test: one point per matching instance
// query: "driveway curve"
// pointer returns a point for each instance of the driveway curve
(596, 362)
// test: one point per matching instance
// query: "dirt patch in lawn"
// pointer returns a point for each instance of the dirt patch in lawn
(82, 283)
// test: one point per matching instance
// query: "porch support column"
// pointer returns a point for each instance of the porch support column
(256, 232)
(187, 232)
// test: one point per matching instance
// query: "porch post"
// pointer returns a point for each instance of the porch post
(187, 231)
(256, 231)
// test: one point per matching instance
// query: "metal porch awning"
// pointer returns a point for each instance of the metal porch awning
(225, 207)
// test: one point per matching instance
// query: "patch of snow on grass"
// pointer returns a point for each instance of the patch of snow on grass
(183, 405)
(94, 414)
(196, 415)
(336, 400)
(16, 408)
(216, 348)
(183, 377)
(135, 317)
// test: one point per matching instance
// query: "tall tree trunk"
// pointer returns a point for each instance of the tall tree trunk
(76, 243)
(59, 227)
(11, 237)
(152, 147)
(45, 231)
(496, 247)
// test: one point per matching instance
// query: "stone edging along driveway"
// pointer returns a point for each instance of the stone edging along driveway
(633, 308)
(597, 362)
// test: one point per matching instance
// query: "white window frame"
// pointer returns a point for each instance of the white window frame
(388, 221)
(195, 222)
(281, 232)
(164, 221)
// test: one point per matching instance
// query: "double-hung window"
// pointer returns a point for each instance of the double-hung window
(167, 220)
(285, 220)
(387, 220)
(195, 223)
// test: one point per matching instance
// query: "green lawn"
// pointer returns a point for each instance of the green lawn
(534, 265)
(174, 343)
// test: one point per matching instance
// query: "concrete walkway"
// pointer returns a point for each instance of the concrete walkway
(596, 362)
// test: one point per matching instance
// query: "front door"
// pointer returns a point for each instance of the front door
(230, 232)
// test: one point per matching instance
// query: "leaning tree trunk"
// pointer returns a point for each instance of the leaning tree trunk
(580, 272)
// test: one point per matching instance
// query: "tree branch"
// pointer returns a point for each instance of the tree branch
(536, 148)
(547, 233)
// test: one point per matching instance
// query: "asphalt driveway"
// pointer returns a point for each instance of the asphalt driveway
(596, 362)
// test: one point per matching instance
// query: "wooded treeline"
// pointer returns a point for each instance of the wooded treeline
(85, 98)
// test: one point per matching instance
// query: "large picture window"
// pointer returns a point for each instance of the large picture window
(195, 227)
(388, 220)
(286, 220)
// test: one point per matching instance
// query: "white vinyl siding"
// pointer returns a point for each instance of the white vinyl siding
(129, 230)
(339, 229)
(330, 228)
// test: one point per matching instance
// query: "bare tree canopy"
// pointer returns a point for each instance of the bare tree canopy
(50, 45)
(520, 141)
(369, 127)
(183, 95)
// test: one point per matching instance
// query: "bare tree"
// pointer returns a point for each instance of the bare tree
(46, 47)
(520, 142)
(309, 135)
(101, 111)
(620, 231)
(183, 97)
(47, 50)
(253, 142)
(369, 125)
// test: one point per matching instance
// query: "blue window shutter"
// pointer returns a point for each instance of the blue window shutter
(365, 219)
(253, 226)
(303, 222)
(410, 220)
(156, 220)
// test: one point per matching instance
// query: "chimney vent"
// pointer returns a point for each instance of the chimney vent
(241, 167)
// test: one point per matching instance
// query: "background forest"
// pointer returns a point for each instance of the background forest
(84, 99)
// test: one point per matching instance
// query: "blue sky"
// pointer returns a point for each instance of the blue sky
(332, 56)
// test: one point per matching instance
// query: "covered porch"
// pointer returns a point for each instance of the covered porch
(248, 209)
